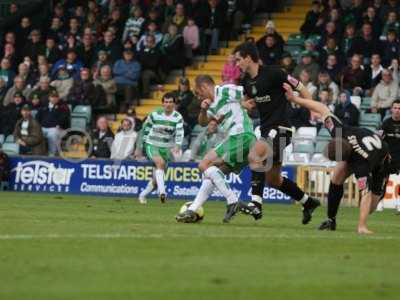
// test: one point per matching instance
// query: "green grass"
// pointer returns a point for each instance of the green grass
(66, 247)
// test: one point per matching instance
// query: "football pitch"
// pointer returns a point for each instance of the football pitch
(69, 247)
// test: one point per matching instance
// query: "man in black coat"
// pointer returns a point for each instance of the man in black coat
(102, 139)
(53, 118)
(11, 114)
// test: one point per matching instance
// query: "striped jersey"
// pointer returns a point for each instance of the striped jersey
(163, 130)
(227, 106)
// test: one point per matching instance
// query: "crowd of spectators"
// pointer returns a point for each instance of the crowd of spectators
(351, 48)
(106, 54)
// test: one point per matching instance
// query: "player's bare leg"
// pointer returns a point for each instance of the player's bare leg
(366, 208)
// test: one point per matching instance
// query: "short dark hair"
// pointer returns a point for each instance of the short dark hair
(338, 149)
(248, 49)
(169, 95)
(204, 79)
(397, 101)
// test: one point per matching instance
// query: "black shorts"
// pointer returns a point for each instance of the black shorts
(376, 179)
(278, 139)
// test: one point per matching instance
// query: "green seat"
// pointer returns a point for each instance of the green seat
(2, 138)
(10, 148)
(9, 139)
(83, 111)
(324, 133)
(366, 103)
(320, 146)
(316, 38)
(370, 119)
(293, 48)
(295, 39)
(78, 123)
(303, 147)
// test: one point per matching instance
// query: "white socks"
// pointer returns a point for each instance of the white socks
(205, 191)
(148, 189)
(218, 179)
(160, 181)
(304, 199)
(257, 199)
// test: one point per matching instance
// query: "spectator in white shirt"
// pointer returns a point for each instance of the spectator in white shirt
(123, 146)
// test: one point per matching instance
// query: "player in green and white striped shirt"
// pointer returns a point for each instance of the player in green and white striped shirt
(222, 103)
(162, 136)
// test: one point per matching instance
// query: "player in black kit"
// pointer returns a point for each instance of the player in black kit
(358, 151)
(390, 132)
(264, 85)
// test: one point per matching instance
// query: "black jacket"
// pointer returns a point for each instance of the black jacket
(58, 116)
(150, 58)
(102, 146)
(348, 114)
(9, 118)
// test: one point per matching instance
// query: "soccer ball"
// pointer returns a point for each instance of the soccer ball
(199, 211)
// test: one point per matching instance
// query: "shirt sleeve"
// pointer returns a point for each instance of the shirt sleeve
(179, 133)
(332, 122)
(283, 77)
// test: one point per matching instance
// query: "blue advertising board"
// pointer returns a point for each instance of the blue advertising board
(122, 178)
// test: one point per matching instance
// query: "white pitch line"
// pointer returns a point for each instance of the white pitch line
(105, 236)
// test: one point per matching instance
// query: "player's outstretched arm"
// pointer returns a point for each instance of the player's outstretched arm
(310, 104)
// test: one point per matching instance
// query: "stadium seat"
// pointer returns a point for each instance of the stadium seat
(78, 123)
(303, 146)
(323, 134)
(371, 117)
(306, 133)
(319, 160)
(370, 120)
(298, 159)
(365, 103)
(2, 138)
(10, 148)
(296, 39)
(316, 38)
(356, 100)
(9, 139)
(83, 111)
(320, 146)
(293, 49)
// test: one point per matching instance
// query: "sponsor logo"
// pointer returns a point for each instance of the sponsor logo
(42, 176)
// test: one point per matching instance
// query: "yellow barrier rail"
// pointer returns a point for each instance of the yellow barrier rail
(315, 182)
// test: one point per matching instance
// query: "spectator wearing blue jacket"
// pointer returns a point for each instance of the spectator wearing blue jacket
(71, 63)
(127, 75)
